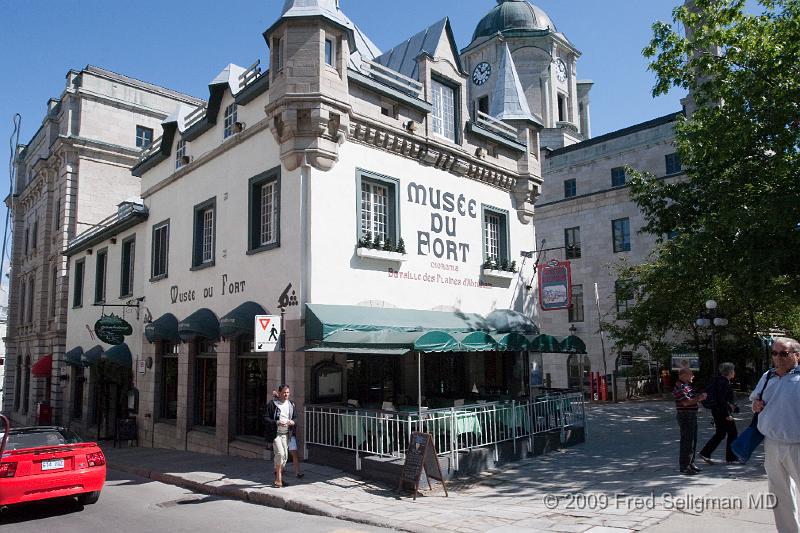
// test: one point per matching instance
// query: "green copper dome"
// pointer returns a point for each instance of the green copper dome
(513, 15)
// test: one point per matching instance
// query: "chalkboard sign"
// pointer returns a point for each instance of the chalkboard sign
(126, 430)
(421, 455)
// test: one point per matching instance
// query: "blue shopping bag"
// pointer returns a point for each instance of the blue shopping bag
(747, 441)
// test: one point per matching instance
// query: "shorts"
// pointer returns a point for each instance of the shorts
(293, 444)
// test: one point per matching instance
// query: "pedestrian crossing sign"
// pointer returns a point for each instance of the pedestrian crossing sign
(267, 333)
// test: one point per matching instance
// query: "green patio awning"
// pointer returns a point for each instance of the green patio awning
(386, 342)
(119, 355)
(241, 320)
(359, 350)
(92, 355)
(572, 344)
(511, 342)
(543, 343)
(202, 323)
(476, 341)
(73, 357)
(509, 321)
(164, 328)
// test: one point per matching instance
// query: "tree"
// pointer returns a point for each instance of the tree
(729, 230)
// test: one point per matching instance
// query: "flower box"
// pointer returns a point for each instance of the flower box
(498, 274)
(381, 255)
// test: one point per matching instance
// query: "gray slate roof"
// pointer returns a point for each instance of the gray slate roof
(403, 57)
(508, 100)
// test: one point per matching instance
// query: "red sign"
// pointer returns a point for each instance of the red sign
(555, 285)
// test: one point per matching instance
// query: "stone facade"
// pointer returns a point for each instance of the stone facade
(69, 176)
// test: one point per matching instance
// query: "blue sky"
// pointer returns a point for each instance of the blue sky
(183, 45)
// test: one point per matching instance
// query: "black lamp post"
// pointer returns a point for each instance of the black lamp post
(710, 318)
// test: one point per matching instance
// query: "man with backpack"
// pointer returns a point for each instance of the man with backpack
(721, 402)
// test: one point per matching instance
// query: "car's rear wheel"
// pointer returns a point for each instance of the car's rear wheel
(88, 498)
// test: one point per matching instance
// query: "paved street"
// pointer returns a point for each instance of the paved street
(131, 504)
(624, 478)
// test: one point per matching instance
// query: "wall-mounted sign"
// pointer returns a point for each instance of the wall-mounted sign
(555, 285)
(267, 332)
(112, 329)
(681, 360)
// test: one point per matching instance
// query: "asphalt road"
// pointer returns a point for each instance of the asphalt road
(132, 504)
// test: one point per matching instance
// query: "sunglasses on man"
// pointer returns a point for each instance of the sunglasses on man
(784, 353)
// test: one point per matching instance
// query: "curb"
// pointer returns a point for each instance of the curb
(261, 498)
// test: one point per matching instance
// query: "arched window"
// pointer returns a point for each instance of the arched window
(574, 362)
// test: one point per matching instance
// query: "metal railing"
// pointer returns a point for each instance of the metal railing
(250, 75)
(454, 429)
(394, 78)
(498, 126)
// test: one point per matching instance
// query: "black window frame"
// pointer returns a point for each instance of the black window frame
(255, 183)
(623, 294)
(570, 188)
(618, 178)
(393, 204)
(576, 311)
(126, 275)
(53, 290)
(142, 140)
(169, 352)
(165, 225)
(205, 409)
(31, 299)
(621, 234)
(504, 244)
(78, 283)
(197, 234)
(100, 275)
(672, 164)
(35, 234)
(572, 251)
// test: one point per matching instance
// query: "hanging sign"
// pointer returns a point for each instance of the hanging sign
(555, 285)
(112, 329)
(267, 332)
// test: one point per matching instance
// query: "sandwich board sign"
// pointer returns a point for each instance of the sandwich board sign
(268, 333)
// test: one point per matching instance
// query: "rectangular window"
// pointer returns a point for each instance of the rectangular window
(483, 104)
(230, 120)
(77, 292)
(205, 385)
(180, 153)
(570, 188)
(624, 297)
(329, 58)
(621, 233)
(27, 240)
(22, 300)
(126, 268)
(572, 242)
(144, 136)
(204, 230)
(160, 252)
(444, 118)
(252, 389)
(495, 234)
(277, 54)
(575, 313)
(169, 380)
(562, 108)
(31, 299)
(35, 237)
(57, 218)
(53, 296)
(378, 208)
(265, 211)
(618, 176)
(100, 276)
(673, 163)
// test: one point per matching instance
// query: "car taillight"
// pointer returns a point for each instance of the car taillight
(8, 469)
(96, 459)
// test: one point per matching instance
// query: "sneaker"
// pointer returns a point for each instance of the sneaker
(695, 468)
(688, 471)
(706, 460)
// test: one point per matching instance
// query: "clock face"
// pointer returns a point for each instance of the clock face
(561, 70)
(481, 73)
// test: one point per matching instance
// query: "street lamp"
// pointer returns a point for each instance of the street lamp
(709, 318)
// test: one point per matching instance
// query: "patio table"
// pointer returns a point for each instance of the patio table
(352, 425)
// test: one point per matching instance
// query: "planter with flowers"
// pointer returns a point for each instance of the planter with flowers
(499, 270)
(382, 250)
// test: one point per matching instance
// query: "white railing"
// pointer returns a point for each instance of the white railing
(454, 429)
(195, 116)
(250, 75)
(152, 148)
(392, 77)
(498, 126)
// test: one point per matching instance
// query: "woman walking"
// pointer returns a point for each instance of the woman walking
(722, 408)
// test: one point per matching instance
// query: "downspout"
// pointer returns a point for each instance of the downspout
(305, 235)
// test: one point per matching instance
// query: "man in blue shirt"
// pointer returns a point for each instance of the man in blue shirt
(779, 421)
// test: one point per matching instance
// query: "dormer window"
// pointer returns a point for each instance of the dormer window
(180, 153)
(444, 110)
(230, 120)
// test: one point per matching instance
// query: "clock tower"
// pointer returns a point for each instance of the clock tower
(545, 63)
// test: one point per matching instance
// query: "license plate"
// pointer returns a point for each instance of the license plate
(55, 464)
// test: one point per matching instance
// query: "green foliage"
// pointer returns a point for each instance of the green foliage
(736, 212)
(401, 246)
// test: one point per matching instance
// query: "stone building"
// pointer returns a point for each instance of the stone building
(71, 174)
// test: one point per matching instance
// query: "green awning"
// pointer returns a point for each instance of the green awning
(509, 321)
(476, 341)
(511, 342)
(92, 355)
(164, 328)
(119, 354)
(202, 323)
(73, 357)
(359, 350)
(386, 342)
(544, 343)
(241, 320)
(572, 344)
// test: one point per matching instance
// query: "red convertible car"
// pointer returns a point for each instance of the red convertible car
(48, 462)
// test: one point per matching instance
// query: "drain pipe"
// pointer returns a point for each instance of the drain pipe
(305, 235)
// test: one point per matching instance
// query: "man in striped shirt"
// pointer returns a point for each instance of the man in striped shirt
(686, 402)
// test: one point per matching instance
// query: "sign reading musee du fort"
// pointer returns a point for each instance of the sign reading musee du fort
(112, 329)
(446, 210)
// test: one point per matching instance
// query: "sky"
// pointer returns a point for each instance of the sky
(182, 45)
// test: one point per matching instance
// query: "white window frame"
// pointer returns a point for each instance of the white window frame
(443, 116)
(231, 113)
(374, 211)
(180, 151)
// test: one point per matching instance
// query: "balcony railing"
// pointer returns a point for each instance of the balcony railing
(498, 126)
(151, 149)
(456, 429)
(122, 213)
(250, 75)
(393, 78)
